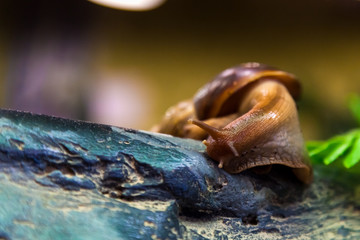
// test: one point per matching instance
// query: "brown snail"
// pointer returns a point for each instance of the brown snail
(249, 119)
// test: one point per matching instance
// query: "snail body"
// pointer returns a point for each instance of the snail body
(249, 119)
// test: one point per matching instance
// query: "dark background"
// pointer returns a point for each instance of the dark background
(80, 60)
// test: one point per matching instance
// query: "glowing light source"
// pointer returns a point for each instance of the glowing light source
(131, 5)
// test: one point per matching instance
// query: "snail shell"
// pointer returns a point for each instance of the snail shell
(249, 119)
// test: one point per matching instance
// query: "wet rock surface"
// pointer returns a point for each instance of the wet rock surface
(65, 179)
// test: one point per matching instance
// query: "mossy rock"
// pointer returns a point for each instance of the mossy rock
(65, 179)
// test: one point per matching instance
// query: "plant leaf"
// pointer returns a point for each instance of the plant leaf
(354, 155)
(324, 148)
(341, 146)
(339, 149)
(345, 147)
(354, 105)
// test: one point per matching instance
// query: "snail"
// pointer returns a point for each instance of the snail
(248, 118)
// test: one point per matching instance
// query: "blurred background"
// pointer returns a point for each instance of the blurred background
(81, 60)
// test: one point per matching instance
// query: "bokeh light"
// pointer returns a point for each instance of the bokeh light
(81, 60)
(131, 5)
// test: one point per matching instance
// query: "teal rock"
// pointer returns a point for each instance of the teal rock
(65, 179)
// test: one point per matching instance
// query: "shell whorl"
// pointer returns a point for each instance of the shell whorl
(219, 97)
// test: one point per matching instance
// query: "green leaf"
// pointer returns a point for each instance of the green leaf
(339, 149)
(341, 146)
(345, 147)
(324, 148)
(313, 144)
(354, 105)
(354, 156)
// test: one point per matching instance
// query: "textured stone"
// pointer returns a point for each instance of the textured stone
(64, 179)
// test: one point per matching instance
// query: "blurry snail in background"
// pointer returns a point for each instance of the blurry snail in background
(247, 118)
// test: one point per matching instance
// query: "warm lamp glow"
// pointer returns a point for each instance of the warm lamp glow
(131, 5)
